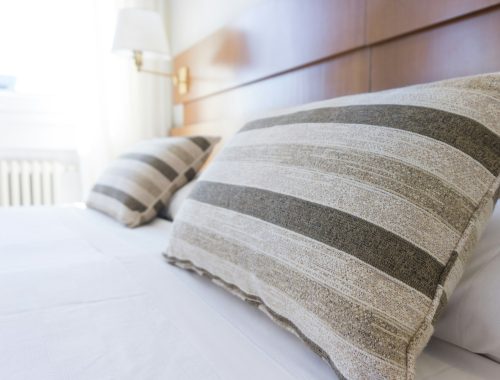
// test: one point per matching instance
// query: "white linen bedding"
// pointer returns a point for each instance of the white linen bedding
(82, 297)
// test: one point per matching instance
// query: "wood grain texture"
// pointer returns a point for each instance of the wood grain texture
(276, 36)
(465, 47)
(390, 18)
(261, 62)
(343, 75)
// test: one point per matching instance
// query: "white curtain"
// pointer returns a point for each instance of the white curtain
(126, 106)
(88, 99)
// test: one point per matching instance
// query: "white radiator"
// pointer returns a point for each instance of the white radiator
(34, 181)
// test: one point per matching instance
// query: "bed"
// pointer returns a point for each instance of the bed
(85, 298)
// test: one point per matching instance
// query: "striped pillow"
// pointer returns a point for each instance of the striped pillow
(139, 183)
(350, 221)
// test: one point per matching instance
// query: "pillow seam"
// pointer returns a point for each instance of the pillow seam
(259, 303)
(423, 331)
(413, 345)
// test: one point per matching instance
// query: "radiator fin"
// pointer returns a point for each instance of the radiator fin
(31, 182)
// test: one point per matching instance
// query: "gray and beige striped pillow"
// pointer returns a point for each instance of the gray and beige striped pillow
(139, 183)
(349, 222)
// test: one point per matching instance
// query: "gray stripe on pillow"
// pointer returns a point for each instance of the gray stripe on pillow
(402, 218)
(375, 170)
(364, 240)
(291, 248)
(296, 238)
(137, 185)
(141, 180)
(452, 166)
(190, 174)
(202, 143)
(330, 306)
(129, 201)
(155, 162)
(459, 131)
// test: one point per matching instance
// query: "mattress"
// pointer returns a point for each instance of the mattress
(82, 297)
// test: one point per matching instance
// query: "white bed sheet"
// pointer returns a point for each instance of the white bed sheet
(82, 297)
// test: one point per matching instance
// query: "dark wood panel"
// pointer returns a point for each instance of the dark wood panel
(275, 36)
(275, 62)
(389, 18)
(465, 47)
(346, 74)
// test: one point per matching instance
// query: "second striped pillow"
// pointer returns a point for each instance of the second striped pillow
(139, 183)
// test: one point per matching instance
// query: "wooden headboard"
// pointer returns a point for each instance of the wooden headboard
(289, 52)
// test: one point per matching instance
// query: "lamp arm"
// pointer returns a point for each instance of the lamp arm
(180, 79)
(171, 75)
(175, 77)
(138, 59)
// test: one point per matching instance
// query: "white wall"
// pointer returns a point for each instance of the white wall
(191, 20)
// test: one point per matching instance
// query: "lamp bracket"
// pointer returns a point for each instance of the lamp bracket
(180, 79)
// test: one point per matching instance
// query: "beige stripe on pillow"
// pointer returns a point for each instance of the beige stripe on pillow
(139, 183)
(349, 222)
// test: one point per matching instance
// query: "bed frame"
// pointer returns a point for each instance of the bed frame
(289, 52)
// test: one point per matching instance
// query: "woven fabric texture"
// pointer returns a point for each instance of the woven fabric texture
(349, 221)
(139, 183)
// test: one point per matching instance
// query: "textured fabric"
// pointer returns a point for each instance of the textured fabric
(349, 222)
(136, 186)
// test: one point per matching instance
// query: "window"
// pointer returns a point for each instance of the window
(43, 44)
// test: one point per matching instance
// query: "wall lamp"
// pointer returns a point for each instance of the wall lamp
(140, 34)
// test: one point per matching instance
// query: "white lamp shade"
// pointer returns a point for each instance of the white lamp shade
(140, 30)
